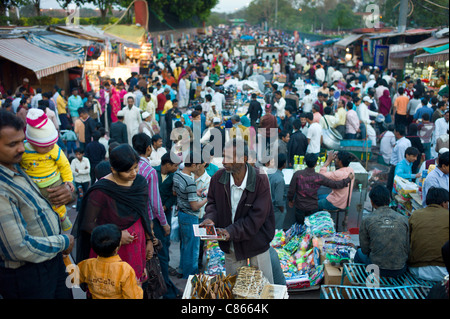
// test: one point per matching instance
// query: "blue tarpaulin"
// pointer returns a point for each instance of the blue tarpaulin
(436, 49)
(58, 47)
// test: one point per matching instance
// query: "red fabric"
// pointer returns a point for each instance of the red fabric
(115, 104)
(39, 122)
(135, 252)
(141, 13)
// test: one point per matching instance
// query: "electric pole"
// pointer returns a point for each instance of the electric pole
(403, 12)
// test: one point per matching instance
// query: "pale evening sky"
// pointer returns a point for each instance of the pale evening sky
(222, 6)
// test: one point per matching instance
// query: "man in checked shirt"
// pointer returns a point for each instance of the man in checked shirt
(31, 241)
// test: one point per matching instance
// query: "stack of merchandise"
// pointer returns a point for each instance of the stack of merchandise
(298, 250)
(338, 249)
(249, 283)
(320, 224)
(404, 189)
(279, 78)
(206, 287)
(215, 259)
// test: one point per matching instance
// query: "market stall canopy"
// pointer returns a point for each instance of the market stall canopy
(132, 33)
(41, 62)
(348, 40)
(432, 57)
(410, 49)
(323, 42)
(409, 32)
(94, 34)
(57, 46)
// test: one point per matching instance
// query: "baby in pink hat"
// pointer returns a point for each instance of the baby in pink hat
(44, 161)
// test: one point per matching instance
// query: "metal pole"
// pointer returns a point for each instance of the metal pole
(276, 13)
(403, 13)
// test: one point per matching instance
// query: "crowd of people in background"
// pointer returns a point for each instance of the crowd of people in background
(98, 142)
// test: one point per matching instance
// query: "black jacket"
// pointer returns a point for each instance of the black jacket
(118, 133)
(90, 125)
(297, 146)
(253, 226)
(254, 110)
(168, 199)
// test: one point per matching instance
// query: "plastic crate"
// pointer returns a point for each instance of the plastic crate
(357, 275)
(355, 292)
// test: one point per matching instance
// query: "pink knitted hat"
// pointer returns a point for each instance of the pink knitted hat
(40, 130)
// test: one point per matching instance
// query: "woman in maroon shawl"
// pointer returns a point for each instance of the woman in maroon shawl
(114, 101)
(385, 103)
(119, 198)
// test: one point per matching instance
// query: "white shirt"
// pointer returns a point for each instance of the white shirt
(35, 100)
(314, 135)
(15, 104)
(155, 156)
(336, 76)
(280, 105)
(84, 169)
(307, 103)
(219, 99)
(441, 127)
(276, 68)
(236, 193)
(364, 113)
(132, 118)
(320, 74)
(202, 182)
(182, 89)
(386, 146)
(398, 153)
(327, 121)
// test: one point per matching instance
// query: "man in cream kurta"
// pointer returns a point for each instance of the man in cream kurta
(132, 118)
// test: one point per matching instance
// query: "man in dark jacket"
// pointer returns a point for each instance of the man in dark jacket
(239, 204)
(298, 143)
(95, 152)
(268, 127)
(89, 125)
(254, 111)
(118, 132)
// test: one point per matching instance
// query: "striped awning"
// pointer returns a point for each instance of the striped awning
(42, 62)
(430, 57)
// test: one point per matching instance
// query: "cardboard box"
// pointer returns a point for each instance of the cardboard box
(333, 275)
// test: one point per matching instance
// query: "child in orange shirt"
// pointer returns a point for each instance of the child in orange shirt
(107, 276)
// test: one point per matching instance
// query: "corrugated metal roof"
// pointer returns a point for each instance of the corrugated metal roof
(348, 40)
(40, 61)
(410, 32)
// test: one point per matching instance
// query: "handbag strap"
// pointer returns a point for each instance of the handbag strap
(328, 126)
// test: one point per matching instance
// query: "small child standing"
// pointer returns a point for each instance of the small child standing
(81, 169)
(107, 276)
(44, 161)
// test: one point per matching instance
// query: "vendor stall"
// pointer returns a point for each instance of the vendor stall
(306, 253)
(244, 48)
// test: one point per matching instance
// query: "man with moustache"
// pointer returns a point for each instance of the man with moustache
(31, 240)
(240, 205)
